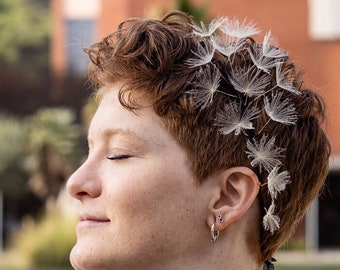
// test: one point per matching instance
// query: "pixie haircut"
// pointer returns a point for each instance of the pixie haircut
(156, 59)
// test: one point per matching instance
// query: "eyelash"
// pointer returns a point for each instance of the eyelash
(119, 157)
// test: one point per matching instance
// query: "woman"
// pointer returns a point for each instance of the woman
(204, 153)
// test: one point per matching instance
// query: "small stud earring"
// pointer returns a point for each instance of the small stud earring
(220, 218)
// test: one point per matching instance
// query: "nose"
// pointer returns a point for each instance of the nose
(84, 182)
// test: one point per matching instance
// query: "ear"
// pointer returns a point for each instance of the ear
(235, 190)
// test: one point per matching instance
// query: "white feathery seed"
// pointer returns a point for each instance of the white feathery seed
(231, 119)
(277, 181)
(238, 29)
(261, 61)
(204, 55)
(280, 111)
(205, 86)
(271, 222)
(270, 47)
(284, 80)
(264, 154)
(226, 45)
(249, 82)
(207, 31)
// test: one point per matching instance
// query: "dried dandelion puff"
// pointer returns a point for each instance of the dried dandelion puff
(270, 47)
(207, 31)
(249, 81)
(205, 86)
(261, 61)
(284, 80)
(204, 54)
(226, 45)
(277, 181)
(231, 119)
(280, 111)
(237, 29)
(271, 222)
(264, 154)
(252, 69)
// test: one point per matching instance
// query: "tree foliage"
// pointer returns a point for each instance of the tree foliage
(198, 13)
(24, 25)
(12, 138)
(54, 149)
(39, 152)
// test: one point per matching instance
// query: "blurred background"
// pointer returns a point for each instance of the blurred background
(45, 110)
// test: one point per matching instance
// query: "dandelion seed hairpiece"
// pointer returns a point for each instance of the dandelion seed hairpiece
(251, 81)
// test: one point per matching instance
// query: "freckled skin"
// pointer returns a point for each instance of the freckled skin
(151, 210)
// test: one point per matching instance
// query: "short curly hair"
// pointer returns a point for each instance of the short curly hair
(150, 57)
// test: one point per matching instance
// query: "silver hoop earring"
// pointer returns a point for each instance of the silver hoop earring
(214, 234)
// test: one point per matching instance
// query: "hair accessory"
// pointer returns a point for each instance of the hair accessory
(220, 218)
(259, 83)
(214, 234)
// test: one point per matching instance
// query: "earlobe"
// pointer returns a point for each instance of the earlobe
(236, 189)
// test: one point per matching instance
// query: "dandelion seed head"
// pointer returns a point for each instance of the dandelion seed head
(270, 47)
(250, 83)
(207, 31)
(277, 181)
(264, 154)
(280, 111)
(226, 45)
(284, 80)
(204, 55)
(205, 86)
(238, 29)
(231, 119)
(271, 222)
(263, 62)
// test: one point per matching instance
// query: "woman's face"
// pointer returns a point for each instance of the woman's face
(140, 205)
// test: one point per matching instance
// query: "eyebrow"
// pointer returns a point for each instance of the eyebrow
(117, 131)
(111, 132)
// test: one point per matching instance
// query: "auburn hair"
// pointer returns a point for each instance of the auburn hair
(149, 57)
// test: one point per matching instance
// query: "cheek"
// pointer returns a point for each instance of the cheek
(148, 192)
(153, 210)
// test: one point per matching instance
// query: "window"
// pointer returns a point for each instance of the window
(324, 19)
(79, 35)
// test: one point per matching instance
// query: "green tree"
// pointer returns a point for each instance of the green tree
(12, 138)
(198, 13)
(24, 28)
(37, 155)
(55, 147)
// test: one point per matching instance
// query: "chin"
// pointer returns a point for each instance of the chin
(78, 260)
(85, 257)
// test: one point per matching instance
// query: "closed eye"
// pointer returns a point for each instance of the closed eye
(119, 157)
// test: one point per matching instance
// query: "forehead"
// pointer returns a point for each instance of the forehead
(112, 119)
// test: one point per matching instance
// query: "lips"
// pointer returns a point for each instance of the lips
(86, 217)
(87, 220)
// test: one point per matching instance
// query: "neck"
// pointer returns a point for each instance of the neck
(224, 254)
